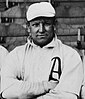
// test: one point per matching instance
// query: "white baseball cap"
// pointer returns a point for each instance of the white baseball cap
(44, 9)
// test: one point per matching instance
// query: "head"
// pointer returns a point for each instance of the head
(41, 19)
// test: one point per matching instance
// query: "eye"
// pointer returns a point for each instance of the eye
(48, 23)
(35, 24)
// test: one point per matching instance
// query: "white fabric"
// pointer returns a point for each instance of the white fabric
(83, 84)
(34, 65)
(3, 53)
(40, 9)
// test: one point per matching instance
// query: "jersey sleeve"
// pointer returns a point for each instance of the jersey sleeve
(83, 84)
(71, 78)
(12, 83)
(13, 86)
(58, 95)
(3, 54)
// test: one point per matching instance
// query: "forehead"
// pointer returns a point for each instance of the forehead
(42, 19)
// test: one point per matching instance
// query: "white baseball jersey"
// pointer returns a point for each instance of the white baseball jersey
(3, 53)
(28, 65)
(83, 84)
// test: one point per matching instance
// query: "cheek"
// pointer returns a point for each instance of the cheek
(49, 28)
(33, 30)
(51, 31)
(33, 34)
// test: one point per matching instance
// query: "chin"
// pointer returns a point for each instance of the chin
(42, 42)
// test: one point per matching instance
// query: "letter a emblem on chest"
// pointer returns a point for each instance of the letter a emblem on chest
(56, 69)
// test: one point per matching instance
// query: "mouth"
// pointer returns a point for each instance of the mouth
(41, 35)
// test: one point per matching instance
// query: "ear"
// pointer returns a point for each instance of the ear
(54, 27)
(30, 37)
(28, 29)
(55, 24)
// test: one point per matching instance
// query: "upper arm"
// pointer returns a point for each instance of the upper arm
(72, 73)
(71, 78)
(8, 71)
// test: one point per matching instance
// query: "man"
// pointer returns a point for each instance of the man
(43, 68)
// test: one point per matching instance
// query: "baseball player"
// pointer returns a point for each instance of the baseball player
(43, 68)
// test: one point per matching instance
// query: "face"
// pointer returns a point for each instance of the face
(42, 30)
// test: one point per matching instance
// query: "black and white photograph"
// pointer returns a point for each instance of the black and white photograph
(42, 49)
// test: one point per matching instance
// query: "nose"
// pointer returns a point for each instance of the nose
(41, 28)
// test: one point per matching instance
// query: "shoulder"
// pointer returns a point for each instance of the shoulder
(18, 49)
(3, 52)
(68, 50)
(3, 49)
(17, 53)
